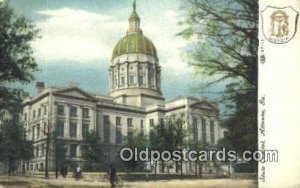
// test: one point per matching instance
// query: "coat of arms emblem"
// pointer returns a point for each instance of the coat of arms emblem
(279, 25)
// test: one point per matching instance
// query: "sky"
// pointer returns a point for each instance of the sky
(78, 36)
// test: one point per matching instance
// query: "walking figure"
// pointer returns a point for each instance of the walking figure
(78, 173)
(112, 175)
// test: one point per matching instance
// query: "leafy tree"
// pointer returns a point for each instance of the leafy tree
(16, 33)
(16, 56)
(13, 144)
(157, 141)
(197, 145)
(93, 150)
(223, 43)
(135, 140)
(170, 135)
(60, 154)
(16, 65)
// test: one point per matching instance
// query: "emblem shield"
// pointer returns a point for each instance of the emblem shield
(279, 25)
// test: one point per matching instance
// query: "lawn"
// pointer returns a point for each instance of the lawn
(32, 182)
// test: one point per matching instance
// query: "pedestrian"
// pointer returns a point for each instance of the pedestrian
(112, 175)
(78, 173)
(64, 171)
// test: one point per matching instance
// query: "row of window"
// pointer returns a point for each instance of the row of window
(132, 80)
(106, 123)
(39, 150)
(73, 111)
(60, 128)
(37, 112)
(203, 130)
(37, 130)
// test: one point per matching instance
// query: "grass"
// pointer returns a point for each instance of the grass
(33, 182)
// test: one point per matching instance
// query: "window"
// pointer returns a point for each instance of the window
(195, 129)
(73, 111)
(106, 129)
(73, 129)
(33, 132)
(118, 121)
(38, 129)
(60, 109)
(122, 80)
(131, 79)
(151, 122)
(60, 128)
(118, 136)
(212, 132)
(141, 79)
(85, 130)
(203, 130)
(85, 148)
(25, 117)
(142, 127)
(129, 135)
(85, 112)
(37, 151)
(73, 150)
(45, 128)
(129, 122)
(106, 119)
(161, 121)
(45, 109)
(33, 114)
(39, 112)
(43, 150)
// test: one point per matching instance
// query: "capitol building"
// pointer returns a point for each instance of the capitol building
(135, 103)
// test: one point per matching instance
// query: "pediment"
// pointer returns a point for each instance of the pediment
(75, 93)
(203, 105)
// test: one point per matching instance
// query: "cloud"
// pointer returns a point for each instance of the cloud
(162, 30)
(87, 37)
(76, 35)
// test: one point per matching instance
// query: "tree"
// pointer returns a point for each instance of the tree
(223, 43)
(135, 140)
(170, 135)
(13, 144)
(60, 154)
(17, 62)
(16, 65)
(16, 55)
(93, 150)
(157, 141)
(198, 146)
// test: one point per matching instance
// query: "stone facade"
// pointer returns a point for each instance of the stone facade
(135, 102)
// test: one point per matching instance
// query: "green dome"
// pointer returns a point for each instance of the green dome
(134, 43)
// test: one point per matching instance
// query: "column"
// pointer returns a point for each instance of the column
(127, 74)
(79, 124)
(199, 121)
(67, 123)
(118, 76)
(207, 130)
(137, 73)
(147, 75)
(154, 76)
(112, 130)
(92, 117)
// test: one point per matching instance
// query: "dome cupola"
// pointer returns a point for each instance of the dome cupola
(134, 71)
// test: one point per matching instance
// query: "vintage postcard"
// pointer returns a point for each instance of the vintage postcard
(149, 93)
